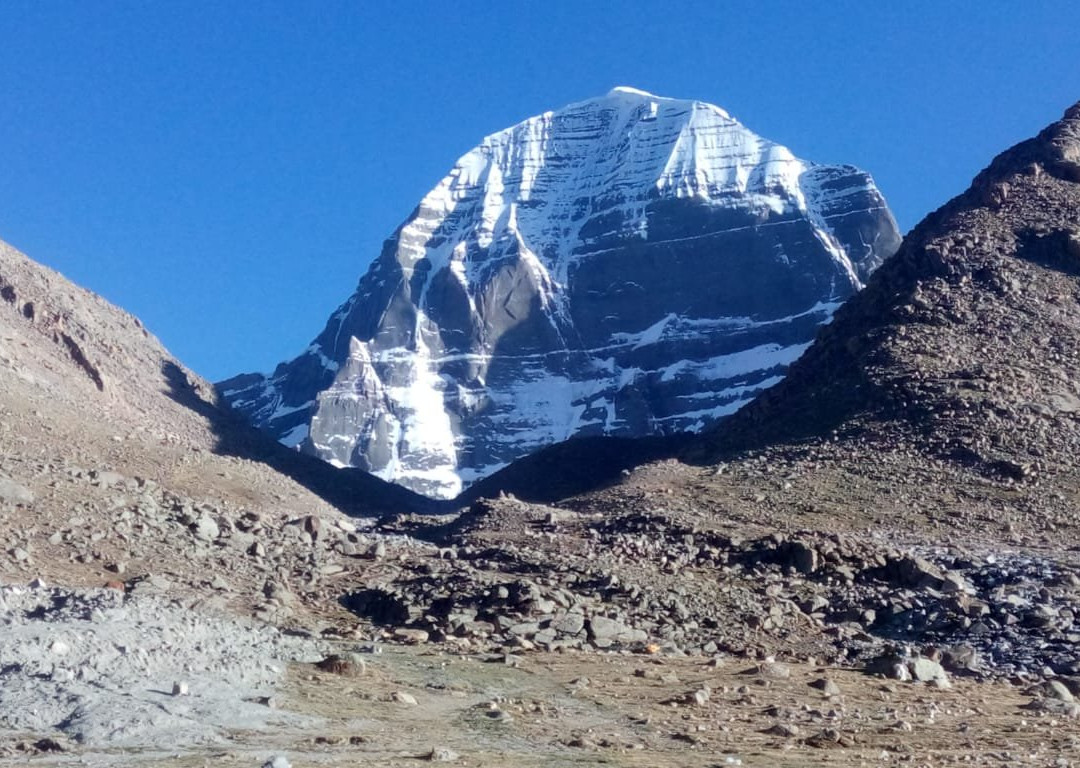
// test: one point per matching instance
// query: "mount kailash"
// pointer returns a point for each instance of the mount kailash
(628, 265)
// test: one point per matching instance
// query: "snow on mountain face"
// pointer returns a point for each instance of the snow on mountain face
(627, 265)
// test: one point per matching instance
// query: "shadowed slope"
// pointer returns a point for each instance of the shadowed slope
(70, 360)
(965, 342)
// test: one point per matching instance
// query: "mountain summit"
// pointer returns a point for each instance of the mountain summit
(627, 265)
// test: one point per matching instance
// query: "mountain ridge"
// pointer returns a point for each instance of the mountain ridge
(982, 263)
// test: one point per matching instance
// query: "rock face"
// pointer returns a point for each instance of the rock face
(628, 265)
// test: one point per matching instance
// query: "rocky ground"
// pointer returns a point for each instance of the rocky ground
(900, 587)
(686, 616)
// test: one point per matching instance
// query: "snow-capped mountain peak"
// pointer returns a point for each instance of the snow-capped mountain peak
(627, 265)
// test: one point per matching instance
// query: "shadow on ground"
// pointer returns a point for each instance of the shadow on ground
(573, 467)
(579, 465)
(353, 491)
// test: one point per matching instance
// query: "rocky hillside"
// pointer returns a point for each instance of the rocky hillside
(965, 344)
(95, 412)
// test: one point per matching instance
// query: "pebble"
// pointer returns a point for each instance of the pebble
(787, 730)
(826, 686)
(774, 670)
(13, 493)
(206, 529)
(1058, 690)
(411, 636)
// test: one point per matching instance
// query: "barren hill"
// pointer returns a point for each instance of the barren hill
(966, 342)
(88, 393)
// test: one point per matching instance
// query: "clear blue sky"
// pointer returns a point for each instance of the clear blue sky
(227, 171)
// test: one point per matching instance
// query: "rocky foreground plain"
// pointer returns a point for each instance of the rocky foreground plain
(873, 564)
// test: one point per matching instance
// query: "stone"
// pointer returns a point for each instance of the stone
(774, 670)
(180, 688)
(346, 526)
(13, 493)
(917, 572)
(1056, 689)
(401, 697)
(603, 628)
(787, 730)
(524, 629)
(442, 755)
(826, 686)
(206, 529)
(545, 637)
(411, 636)
(569, 624)
(955, 582)
(926, 670)
(280, 761)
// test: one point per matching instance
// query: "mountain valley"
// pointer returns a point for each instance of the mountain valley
(872, 562)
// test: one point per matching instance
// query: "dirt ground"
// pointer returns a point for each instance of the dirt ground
(633, 710)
